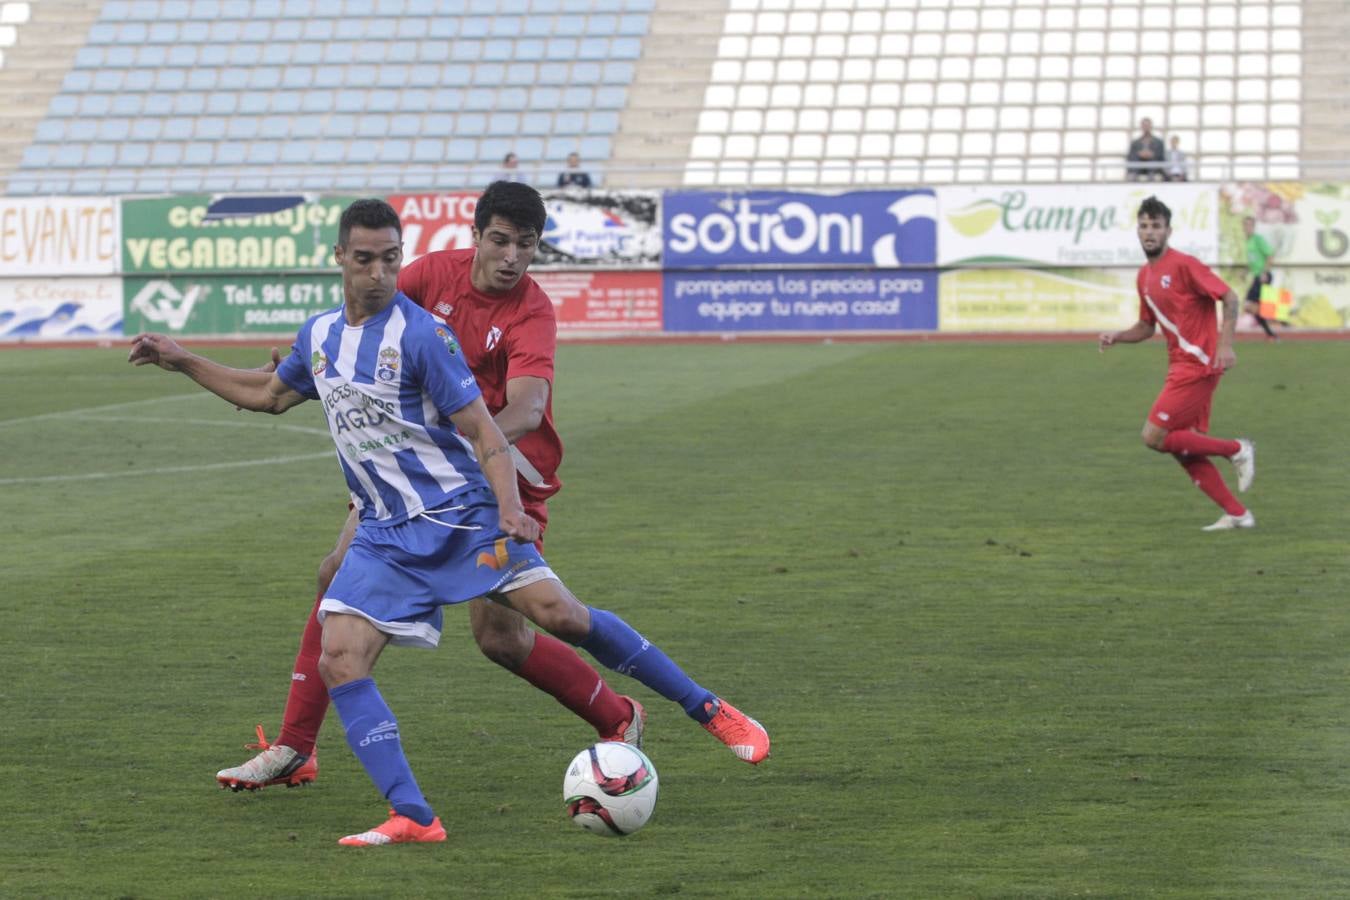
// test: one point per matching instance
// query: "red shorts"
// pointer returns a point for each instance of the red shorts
(1185, 400)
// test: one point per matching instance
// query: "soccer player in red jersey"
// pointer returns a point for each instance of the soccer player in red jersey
(508, 333)
(1177, 293)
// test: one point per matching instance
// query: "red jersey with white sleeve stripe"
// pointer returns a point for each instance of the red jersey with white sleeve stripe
(1177, 293)
(503, 336)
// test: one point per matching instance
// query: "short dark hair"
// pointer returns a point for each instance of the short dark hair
(515, 202)
(1155, 209)
(373, 214)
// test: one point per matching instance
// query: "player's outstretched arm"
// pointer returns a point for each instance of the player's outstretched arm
(246, 388)
(494, 457)
(1139, 331)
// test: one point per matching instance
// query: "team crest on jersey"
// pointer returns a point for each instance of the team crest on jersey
(443, 309)
(1166, 281)
(318, 362)
(450, 343)
(493, 336)
(386, 368)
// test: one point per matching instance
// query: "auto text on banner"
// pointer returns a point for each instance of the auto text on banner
(872, 229)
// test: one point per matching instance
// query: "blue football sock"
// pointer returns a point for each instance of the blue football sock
(616, 645)
(372, 733)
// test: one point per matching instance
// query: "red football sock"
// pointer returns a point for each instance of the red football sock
(1193, 443)
(307, 703)
(1206, 477)
(557, 669)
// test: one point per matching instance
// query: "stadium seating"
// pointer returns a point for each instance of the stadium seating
(902, 91)
(189, 95)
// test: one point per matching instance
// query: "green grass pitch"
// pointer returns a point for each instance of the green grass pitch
(996, 654)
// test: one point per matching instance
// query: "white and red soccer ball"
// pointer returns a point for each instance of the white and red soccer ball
(610, 789)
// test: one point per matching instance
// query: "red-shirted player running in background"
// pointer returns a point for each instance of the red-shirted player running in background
(1177, 292)
(508, 333)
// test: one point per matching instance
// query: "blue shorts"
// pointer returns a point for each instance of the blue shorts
(398, 577)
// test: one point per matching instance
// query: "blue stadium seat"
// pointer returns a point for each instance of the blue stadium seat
(182, 55)
(202, 79)
(560, 49)
(569, 26)
(285, 101)
(470, 124)
(319, 30)
(395, 150)
(339, 125)
(210, 128)
(428, 150)
(77, 81)
(215, 55)
(461, 150)
(502, 124)
(438, 123)
(163, 33)
(585, 73)
(405, 125)
(127, 104)
(371, 125)
(569, 123)
(128, 154)
(609, 98)
(111, 128)
(497, 50)
(188, 103)
(513, 99)
(274, 127)
(121, 57)
(86, 58)
(149, 55)
(194, 32)
(170, 79)
(166, 153)
(633, 25)
(95, 104)
(63, 105)
(414, 100)
(297, 152)
(108, 80)
(479, 99)
(361, 151)
(263, 153)
(253, 103)
(198, 153)
(487, 73)
(595, 147)
(536, 123)
(222, 103)
(297, 76)
(603, 122)
(132, 33)
(577, 97)
(242, 128)
(521, 74)
(625, 48)
(602, 25)
(351, 102)
(553, 73)
(101, 155)
(306, 126)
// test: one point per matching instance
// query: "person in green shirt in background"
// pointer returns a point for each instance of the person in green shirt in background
(1259, 254)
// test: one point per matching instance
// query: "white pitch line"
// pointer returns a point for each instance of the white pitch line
(100, 414)
(216, 423)
(94, 409)
(170, 470)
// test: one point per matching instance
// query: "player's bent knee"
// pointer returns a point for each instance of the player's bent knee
(501, 634)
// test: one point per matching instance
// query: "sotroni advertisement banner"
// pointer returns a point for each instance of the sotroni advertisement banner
(874, 229)
(601, 228)
(172, 235)
(58, 236)
(44, 309)
(1305, 224)
(1067, 226)
(205, 305)
(1031, 300)
(617, 302)
(801, 300)
(434, 222)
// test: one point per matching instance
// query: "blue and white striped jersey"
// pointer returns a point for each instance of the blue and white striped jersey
(388, 388)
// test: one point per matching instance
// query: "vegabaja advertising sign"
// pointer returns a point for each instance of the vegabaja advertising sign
(206, 305)
(1054, 225)
(882, 229)
(171, 234)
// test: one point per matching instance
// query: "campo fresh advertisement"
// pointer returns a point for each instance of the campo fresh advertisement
(1060, 225)
(1037, 300)
(172, 235)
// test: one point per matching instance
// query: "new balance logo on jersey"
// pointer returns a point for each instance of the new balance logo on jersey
(493, 336)
(385, 731)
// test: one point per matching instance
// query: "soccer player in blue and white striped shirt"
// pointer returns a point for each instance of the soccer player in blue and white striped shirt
(441, 517)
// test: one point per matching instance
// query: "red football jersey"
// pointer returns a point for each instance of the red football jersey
(1177, 293)
(503, 336)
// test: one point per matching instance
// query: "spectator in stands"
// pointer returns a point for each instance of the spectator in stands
(1176, 162)
(1144, 162)
(510, 170)
(573, 176)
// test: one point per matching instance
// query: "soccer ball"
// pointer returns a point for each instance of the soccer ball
(610, 789)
